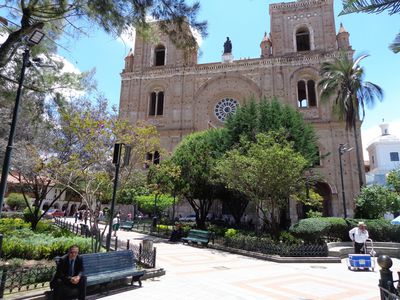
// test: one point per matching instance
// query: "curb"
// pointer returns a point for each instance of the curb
(277, 258)
(42, 293)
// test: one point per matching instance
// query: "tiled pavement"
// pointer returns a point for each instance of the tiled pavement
(201, 273)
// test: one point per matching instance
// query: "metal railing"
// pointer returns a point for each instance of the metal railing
(144, 256)
(17, 279)
(386, 283)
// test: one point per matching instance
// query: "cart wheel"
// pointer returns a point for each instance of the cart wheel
(348, 268)
(373, 269)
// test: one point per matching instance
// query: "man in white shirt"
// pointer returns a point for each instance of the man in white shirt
(359, 235)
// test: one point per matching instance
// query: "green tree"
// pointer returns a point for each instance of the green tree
(146, 203)
(268, 172)
(343, 79)
(75, 154)
(16, 201)
(72, 16)
(375, 200)
(166, 178)
(272, 116)
(196, 156)
(374, 6)
(393, 180)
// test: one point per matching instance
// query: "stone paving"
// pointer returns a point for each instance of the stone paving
(202, 273)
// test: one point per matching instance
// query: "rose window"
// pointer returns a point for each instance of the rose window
(224, 108)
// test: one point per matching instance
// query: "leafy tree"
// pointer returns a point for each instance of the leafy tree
(196, 156)
(373, 201)
(235, 201)
(393, 180)
(67, 17)
(343, 79)
(374, 6)
(166, 178)
(271, 116)
(76, 154)
(154, 203)
(16, 201)
(268, 172)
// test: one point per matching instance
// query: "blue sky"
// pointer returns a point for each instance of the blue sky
(245, 22)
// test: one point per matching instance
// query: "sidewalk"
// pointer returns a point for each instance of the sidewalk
(202, 273)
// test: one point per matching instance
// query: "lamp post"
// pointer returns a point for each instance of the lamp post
(343, 148)
(34, 39)
(116, 162)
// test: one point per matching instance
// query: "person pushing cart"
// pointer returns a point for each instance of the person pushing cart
(359, 235)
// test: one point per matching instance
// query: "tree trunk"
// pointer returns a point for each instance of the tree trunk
(359, 166)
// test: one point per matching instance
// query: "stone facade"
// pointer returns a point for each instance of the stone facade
(167, 87)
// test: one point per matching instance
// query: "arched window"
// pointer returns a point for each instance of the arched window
(156, 104)
(306, 95)
(303, 40)
(159, 55)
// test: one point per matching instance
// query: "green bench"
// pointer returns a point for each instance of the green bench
(198, 236)
(105, 267)
(127, 225)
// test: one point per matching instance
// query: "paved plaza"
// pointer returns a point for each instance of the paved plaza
(202, 273)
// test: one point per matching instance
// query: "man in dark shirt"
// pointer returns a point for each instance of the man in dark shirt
(69, 275)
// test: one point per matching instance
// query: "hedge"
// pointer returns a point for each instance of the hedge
(45, 243)
(337, 229)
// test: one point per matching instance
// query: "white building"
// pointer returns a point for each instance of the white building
(383, 155)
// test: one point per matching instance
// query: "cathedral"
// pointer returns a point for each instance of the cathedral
(166, 86)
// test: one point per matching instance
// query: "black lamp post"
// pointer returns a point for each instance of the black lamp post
(116, 162)
(34, 39)
(343, 148)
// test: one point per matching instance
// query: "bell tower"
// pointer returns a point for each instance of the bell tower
(304, 25)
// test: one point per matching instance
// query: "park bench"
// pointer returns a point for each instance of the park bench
(127, 225)
(106, 267)
(197, 236)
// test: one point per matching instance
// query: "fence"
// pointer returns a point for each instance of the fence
(144, 256)
(17, 279)
(386, 283)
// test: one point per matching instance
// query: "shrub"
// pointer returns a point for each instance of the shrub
(8, 226)
(288, 238)
(30, 217)
(41, 246)
(381, 230)
(333, 229)
(16, 201)
(217, 230)
(269, 246)
(309, 230)
(230, 233)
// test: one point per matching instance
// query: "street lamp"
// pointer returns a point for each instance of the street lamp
(116, 162)
(343, 148)
(33, 39)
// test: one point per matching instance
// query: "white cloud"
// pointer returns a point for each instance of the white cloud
(128, 38)
(369, 134)
(197, 36)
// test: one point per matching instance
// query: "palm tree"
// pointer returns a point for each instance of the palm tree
(343, 79)
(374, 6)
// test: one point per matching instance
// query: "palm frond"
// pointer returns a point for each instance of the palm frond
(370, 6)
(395, 46)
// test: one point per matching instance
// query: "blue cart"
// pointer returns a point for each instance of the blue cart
(362, 261)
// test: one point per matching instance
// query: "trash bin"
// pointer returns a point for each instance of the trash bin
(147, 245)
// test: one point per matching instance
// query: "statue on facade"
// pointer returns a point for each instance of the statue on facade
(227, 46)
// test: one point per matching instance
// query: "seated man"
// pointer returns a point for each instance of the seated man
(177, 233)
(69, 276)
